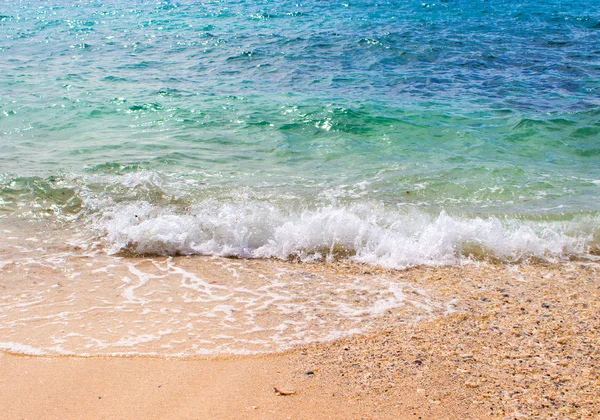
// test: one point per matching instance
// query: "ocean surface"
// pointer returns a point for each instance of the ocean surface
(390, 133)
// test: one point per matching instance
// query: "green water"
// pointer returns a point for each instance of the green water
(262, 129)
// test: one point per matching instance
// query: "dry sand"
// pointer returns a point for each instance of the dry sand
(524, 343)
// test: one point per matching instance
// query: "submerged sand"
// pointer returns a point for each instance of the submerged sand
(523, 342)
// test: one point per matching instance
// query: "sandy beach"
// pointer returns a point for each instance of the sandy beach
(523, 342)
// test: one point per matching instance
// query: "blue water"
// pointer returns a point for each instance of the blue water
(392, 133)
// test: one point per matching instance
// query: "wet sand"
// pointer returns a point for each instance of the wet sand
(524, 342)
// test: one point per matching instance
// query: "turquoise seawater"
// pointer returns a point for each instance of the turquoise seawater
(392, 133)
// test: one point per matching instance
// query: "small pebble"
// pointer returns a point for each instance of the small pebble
(284, 392)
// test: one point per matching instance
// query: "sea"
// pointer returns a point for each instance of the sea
(178, 178)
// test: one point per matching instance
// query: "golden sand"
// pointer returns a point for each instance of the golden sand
(523, 342)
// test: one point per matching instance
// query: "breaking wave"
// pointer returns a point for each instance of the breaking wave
(367, 233)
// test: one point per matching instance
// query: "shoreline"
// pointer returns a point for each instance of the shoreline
(524, 342)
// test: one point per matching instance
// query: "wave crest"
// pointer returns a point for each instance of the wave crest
(367, 233)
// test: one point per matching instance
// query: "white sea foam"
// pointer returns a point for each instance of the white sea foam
(185, 306)
(361, 232)
(19, 348)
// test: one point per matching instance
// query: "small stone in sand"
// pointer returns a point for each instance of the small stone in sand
(283, 392)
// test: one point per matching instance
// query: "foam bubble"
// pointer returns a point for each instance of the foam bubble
(19, 348)
(368, 233)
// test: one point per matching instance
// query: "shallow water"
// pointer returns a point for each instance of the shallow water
(73, 299)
